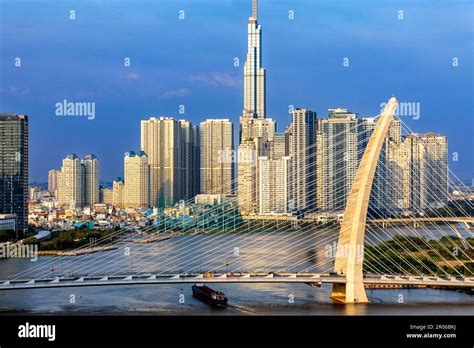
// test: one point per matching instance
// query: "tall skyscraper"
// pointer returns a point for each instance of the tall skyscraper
(303, 160)
(338, 157)
(254, 74)
(14, 168)
(136, 173)
(256, 131)
(190, 158)
(71, 182)
(273, 192)
(53, 182)
(161, 140)
(91, 180)
(217, 145)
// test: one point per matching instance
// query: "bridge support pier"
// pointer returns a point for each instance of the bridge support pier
(350, 247)
(349, 294)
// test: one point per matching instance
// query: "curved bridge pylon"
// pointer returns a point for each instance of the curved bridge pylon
(350, 248)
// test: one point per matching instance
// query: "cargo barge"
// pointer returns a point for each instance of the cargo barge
(209, 296)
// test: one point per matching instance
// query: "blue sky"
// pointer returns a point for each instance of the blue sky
(190, 62)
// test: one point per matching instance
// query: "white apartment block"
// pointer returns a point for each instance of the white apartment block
(136, 176)
(217, 167)
(273, 181)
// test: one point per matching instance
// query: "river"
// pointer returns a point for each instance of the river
(276, 251)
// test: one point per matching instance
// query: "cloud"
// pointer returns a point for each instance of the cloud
(130, 76)
(216, 79)
(172, 93)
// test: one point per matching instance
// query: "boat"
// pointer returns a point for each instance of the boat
(209, 296)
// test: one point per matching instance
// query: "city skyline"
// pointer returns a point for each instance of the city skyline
(302, 169)
(227, 83)
(279, 177)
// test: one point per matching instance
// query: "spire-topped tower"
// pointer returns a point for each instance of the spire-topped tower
(256, 131)
(254, 74)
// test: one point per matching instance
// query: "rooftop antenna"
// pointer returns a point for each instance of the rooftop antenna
(254, 9)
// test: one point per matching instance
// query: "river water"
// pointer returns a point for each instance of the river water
(230, 252)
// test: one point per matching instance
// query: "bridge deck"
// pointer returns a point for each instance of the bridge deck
(244, 278)
(466, 219)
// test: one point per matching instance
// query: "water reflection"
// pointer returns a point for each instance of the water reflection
(292, 250)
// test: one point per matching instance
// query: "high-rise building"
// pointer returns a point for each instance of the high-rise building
(339, 150)
(394, 174)
(189, 168)
(136, 173)
(254, 74)
(217, 145)
(341, 141)
(71, 183)
(434, 167)
(53, 182)
(420, 176)
(394, 132)
(303, 160)
(256, 131)
(247, 178)
(77, 182)
(161, 141)
(91, 180)
(273, 192)
(259, 145)
(14, 168)
(279, 149)
(117, 188)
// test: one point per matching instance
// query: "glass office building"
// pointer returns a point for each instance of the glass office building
(14, 168)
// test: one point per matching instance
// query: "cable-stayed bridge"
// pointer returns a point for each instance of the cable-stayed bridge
(363, 255)
(314, 279)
